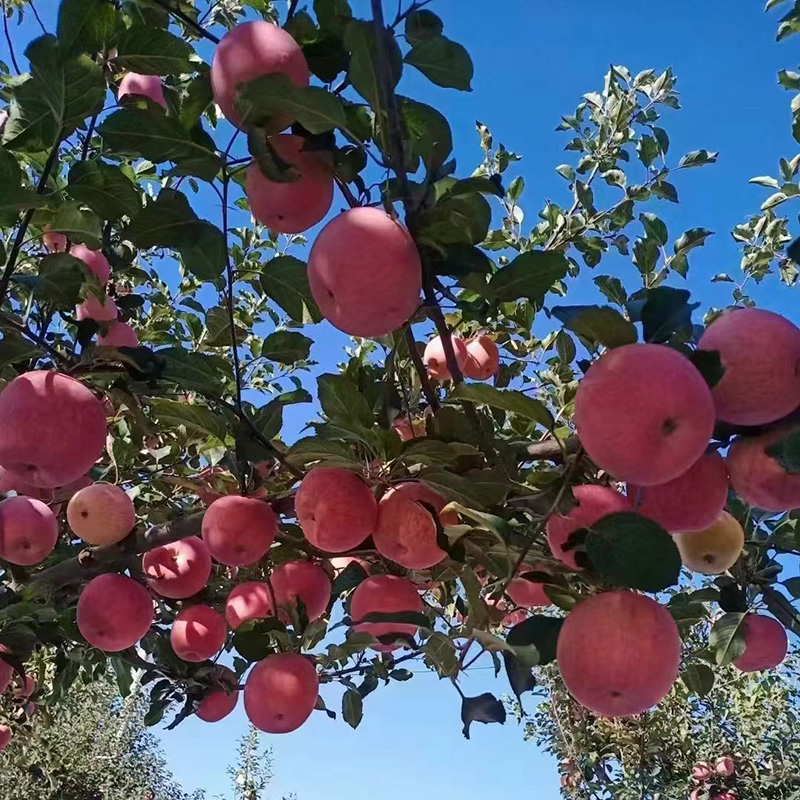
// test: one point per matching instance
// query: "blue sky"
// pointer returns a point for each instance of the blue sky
(533, 61)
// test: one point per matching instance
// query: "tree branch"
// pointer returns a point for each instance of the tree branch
(9, 42)
(38, 340)
(26, 220)
(552, 449)
(187, 20)
(416, 360)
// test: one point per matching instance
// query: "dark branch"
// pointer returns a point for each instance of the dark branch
(187, 20)
(9, 42)
(416, 360)
(552, 449)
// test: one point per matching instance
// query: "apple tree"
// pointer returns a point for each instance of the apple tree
(195, 196)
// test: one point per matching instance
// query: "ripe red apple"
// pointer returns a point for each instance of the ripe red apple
(292, 206)
(702, 771)
(142, 85)
(5, 736)
(406, 532)
(28, 530)
(248, 600)
(96, 262)
(222, 699)
(758, 478)
(765, 644)
(483, 358)
(301, 580)
(198, 633)
(691, 502)
(179, 569)
(384, 594)
(335, 509)
(640, 647)
(119, 334)
(280, 692)
(528, 593)
(52, 429)
(239, 531)
(760, 352)
(53, 241)
(724, 766)
(435, 361)
(407, 431)
(99, 310)
(101, 514)
(365, 273)
(248, 51)
(114, 612)
(420, 493)
(644, 413)
(593, 503)
(339, 565)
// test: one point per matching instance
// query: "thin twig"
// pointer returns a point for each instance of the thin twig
(38, 340)
(87, 141)
(292, 9)
(38, 18)
(346, 193)
(26, 220)
(187, 20)
(8, 40)
(410, 10)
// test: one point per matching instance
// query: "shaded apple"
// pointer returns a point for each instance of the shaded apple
(54, 242)
(52, 429)
(297, 205)
(384, 594)
(301, 580)
(198, 632)
(222, 698)
(644, 413)
(92, 307)
(765, 644)
(640, 647)
(280, 692)
(28, 530)
(114, 612)
(149, 86)
(365, 273)
(96, 262)
(119, 334)
(248, 600)
(483, 358)
(435, 360)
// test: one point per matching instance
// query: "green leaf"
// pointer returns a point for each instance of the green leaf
(439, 653)
(333, 15)
(694, 237)
(104, 188)
(86, 25)
(727, 637)
(253, 641)
(765, 180)
(665, 190)
(793, 586)
(152, 135)
(484, 708)
(655, 227)
(505, 399)
(664, 312)
(352, 707)
(341, 400)
(359, 39)
(17, 198)
(286, 347)
(530, 275)
(539, 631)
(59, 281)
(698, 158)
(327, 452)
(601, 325)
(169, 221)
(79, 226)
(285, 280)
(443, 62)
(13, 348)
(479, 184)
(629, 550)
(268, 420)
(260, 100)
(150, 50)
(612, 288)
(196, 372)
(786, 451)
(195, 418)
(422, 25)
(698, 678)
(647, 149)
(462, 220)
(789, 79)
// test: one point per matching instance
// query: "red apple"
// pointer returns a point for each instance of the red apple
(292, 206)
(483, 358)
(198, 633)
(114, 612)
(55, 242)
(280, 692)
(119, 334)
(528, 593)
(384, 594)
(96, 262)
(301, 580)
(142, 85)
(335, 509)
(179, 569)
(640, 648)
(239, 531)
(365, 273)
(765, 644)
(52, 429)
(435, 360)
(28, 530)
(5, 736)
(99, 310)
(101, 514)
(222, 699)
(644, 413)
(724, 766)
(248, 51)
(248, 600)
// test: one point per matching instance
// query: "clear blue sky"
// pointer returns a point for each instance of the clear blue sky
(533, 60)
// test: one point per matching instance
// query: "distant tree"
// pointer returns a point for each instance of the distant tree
(94, 747)
(252, 772)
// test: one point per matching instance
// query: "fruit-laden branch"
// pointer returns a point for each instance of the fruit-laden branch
(94, 560)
